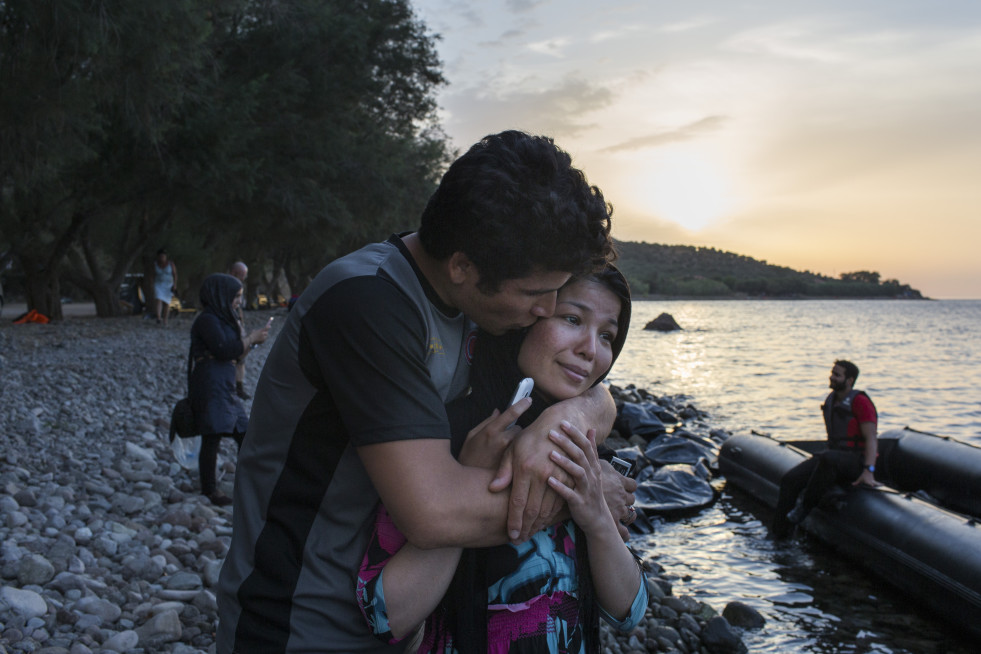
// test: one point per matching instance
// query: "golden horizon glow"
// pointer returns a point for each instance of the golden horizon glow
(822, 136)
(682, 186)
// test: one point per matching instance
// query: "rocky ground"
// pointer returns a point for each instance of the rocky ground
(106, 544)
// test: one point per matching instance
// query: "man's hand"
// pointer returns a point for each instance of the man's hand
(619, 493)
(871, 452)
(866, 478)
(527, 465)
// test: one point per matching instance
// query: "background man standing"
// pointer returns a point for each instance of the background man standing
(851, 421)
(240, 271)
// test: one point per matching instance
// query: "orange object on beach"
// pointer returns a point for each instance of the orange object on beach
(32, 316)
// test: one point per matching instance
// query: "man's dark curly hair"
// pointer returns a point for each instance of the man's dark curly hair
(851, 370)
(514, 205)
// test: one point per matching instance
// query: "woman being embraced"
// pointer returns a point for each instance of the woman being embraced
(544, 595)
(217, 341)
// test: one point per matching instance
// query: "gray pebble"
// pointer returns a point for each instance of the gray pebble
(719, 637)
(124, 641)
(25, 498)
(106, 611)
(740, 614)
(34, 569)
(161, 628)
(183, 581)
(22, 602)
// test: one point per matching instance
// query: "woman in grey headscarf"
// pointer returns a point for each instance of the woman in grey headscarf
(217, 341)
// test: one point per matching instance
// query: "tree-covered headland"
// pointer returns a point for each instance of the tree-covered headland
(281, 133)
(684, 270)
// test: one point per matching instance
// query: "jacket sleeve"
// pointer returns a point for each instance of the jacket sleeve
(637, 609)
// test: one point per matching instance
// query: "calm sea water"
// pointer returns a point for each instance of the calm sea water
(764, 365)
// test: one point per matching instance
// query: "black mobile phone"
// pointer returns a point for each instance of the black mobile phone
(621, 465)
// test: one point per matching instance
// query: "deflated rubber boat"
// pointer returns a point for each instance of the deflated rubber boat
(920, 532)
(674, 466)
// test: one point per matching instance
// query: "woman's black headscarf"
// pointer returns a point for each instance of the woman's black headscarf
(612, 279)
(217, 293)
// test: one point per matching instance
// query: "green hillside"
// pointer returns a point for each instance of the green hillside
(684, 270)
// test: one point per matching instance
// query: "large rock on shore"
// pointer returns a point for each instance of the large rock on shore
(663, 323)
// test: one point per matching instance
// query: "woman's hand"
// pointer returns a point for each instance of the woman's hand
(526, 465)
(617, 580)
(258, 336)
(585, 498)
(486, 443)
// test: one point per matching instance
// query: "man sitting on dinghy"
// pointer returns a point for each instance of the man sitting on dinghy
(850, 419)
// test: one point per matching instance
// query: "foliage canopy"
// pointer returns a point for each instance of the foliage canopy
(673, 270)
(258, 130)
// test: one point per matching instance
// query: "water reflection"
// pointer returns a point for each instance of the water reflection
(763, 365)
(812, 600)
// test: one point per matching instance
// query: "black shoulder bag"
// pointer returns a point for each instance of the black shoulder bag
(182, 421)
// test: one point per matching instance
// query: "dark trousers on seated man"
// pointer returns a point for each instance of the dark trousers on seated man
(805, 484)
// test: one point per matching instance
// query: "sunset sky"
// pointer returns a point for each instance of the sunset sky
(827, 135)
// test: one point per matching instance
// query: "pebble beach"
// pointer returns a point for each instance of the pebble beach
(107, 545)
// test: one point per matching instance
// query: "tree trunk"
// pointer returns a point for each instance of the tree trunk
(42, 267)
(101, 291)
(85, 265)
(106, 303)
(43, 293)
